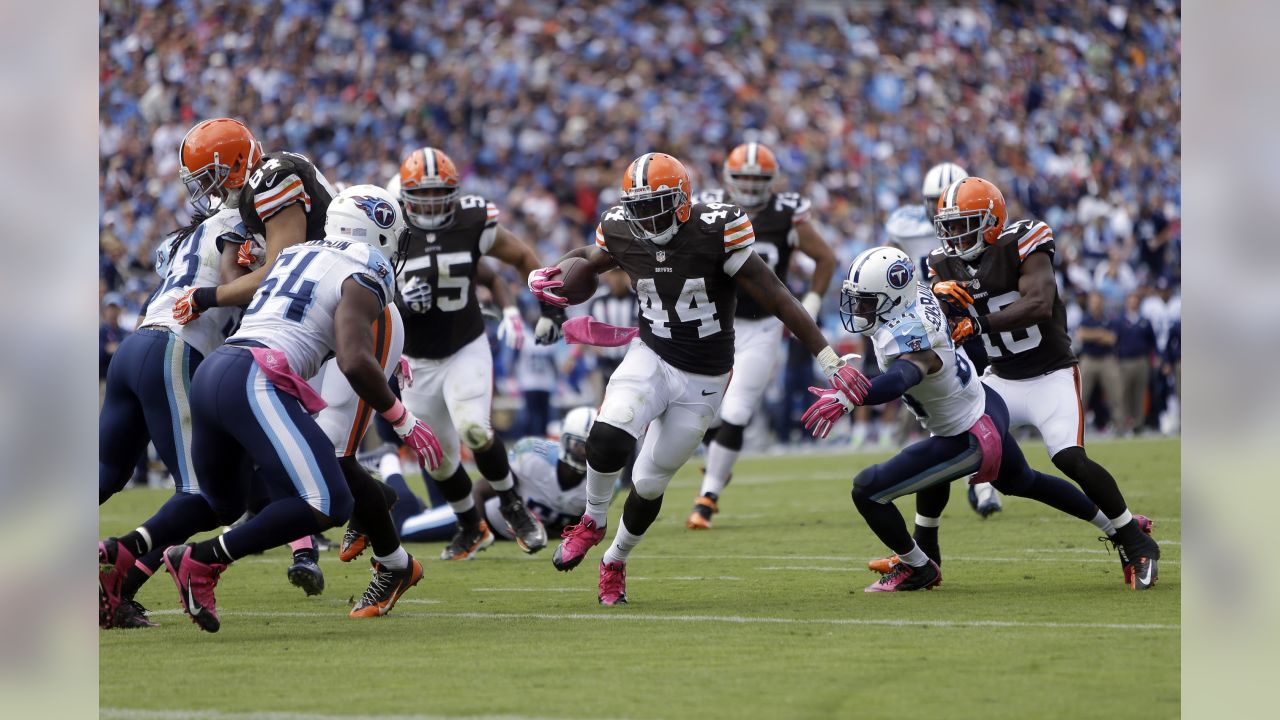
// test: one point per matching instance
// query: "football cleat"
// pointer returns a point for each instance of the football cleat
(905, 578)
(703, 508)
(353, 544)
(578, 539)
(468, 541)
(884, 566)
(984, 500)
(305, 572)
(1127, 566)
(114, 561)
(530, 535)
(386, 588)
(613, 583)
(195, 582)
(130, 614)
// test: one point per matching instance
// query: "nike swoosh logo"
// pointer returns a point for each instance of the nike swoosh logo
(1146, 579)
(192, 606)
(705, 393)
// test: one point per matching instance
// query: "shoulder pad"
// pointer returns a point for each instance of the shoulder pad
(738, 232)
(1028, 236)
(906, 334)
(276, 184)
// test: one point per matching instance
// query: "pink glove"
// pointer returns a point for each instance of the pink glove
(416, 434)
(404, 372)
(511, 329)
(541, 285)
(851, 383)
(822, 415)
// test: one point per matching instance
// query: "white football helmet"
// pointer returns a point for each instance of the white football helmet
(880, 287)
(938, 179)
(573, 436)
(368, 214)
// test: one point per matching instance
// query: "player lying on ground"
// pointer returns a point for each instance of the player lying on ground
(549, 474)
(782, 225)
(998, 278)
(968, 423)
(686, 262)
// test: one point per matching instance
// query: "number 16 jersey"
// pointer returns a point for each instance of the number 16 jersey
(685, 288)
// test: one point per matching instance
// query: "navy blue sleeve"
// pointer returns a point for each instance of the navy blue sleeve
(901, 376)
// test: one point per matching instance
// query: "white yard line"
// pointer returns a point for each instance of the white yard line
(136, 714)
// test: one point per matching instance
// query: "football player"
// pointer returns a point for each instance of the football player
(910, 227)
(445, 342)
(968, 423)
(999, 276)
(148, 388)
(781, 222)
(686, 262)
(251, 399)
(549, 474)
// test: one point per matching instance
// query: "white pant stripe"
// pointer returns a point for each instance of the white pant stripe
(288, 443)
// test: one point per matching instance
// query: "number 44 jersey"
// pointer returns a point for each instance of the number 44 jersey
(993, 283)
(685, 288)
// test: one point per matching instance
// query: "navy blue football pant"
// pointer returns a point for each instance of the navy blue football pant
(938, 460)
(240, 414)
(147, 398)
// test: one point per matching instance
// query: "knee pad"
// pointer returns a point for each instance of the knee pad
(730, 436)
(650, 488)
(864, 484)
(608, 448)
(475, 435)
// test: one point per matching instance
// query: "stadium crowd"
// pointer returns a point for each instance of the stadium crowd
(1071, 107)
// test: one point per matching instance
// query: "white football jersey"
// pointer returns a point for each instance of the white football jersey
(909, 229)
(195, 264)
(293, 309)
(946, 402)
(534, 461)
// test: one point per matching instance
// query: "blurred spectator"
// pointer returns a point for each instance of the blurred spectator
(1135, 349)
(537, 376)
(1115, 279)
(110, 332)
(1098, 363)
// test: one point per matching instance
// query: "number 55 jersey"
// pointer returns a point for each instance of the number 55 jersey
(685, 288)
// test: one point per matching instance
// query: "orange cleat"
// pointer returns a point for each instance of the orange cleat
(386, 588)
(884, 566)
(703, 508)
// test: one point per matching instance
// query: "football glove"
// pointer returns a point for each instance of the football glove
(954, 295)
(822, 415)
(416, 434)
(194, 302)
(249, 255)
(844, 376)
(511, 329)
(965, 329)
(404, 372)
(542, 286)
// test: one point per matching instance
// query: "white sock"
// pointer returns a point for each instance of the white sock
(390, 465)
(1122, 519)
(720, 461)
(463, 505)
(922, 521)
(398, 560)
(146, 538)
(502, 485)
(624, 541)
(599, 493)
(1104, 524)
(915, 558)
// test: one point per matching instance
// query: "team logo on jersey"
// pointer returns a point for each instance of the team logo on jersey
(974, 284)
(915, 343)
(378, 210)
(662, 256)
(899, 274)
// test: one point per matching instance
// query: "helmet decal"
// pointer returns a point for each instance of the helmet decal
(378, 210)
(899, 274)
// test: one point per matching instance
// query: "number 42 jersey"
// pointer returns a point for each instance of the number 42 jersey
(685, 288)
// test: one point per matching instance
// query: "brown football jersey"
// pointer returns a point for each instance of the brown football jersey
(775, 225)
(993, 283)
(685, 288)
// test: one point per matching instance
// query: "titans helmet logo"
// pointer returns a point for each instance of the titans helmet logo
(378, 210)
(900, 273)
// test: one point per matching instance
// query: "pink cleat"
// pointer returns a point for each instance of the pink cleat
(905, 578)
(613, 583)
(195, 582)
(114, 561)
(578, 539)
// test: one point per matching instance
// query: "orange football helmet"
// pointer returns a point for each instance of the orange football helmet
(748, 174)
(971, 215)
(656, 194)
(215, 157)
(429, 188)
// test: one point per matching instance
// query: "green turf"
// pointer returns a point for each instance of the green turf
(507, 635)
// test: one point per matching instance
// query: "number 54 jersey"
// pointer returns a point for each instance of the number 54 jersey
(294, 307)
(685, 288)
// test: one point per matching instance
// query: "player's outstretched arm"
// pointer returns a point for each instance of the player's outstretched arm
(1037, 287)
(515, 252)
(287, 227)
(763, 285)
(809, 242)
(906, 372)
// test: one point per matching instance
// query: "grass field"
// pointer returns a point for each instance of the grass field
(762, 617)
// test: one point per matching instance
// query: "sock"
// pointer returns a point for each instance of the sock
(624, 541)
(457, 491)
(599, 493)
(142, 570)
(398, 560)
(1105, 525)
(493, 466)
(926, 537)
(927, 522)
(179, 518)
(277, 524)
(370, 508)
(720, 461)
(1122, 519)
(213, 551)
(303, 545)
(506, 484)
(138, 542)
(915, 558)
(460, 507)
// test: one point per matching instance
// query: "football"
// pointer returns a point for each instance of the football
(580, 281)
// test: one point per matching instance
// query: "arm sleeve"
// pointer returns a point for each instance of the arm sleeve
(900, 377)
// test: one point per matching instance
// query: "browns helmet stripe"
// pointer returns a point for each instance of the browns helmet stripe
(952, 189)
(429, 162)
(752, 152)
(642, 171)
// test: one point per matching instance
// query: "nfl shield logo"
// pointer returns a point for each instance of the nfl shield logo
(662, 256)
(431, 237)
(974, 284)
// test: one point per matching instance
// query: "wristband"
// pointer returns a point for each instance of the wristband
(396, 413)
(829, 361)
(206, 297)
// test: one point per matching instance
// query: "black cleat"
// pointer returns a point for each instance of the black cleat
(530, 535)
(305, 572)
(1138, 555)
(905, 578)
(468, 541)
(130, 614)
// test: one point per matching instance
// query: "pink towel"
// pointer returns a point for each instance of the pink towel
(276, 366)
(586, 330)
(992, 445)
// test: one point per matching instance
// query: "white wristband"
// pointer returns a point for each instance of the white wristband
(829, 361)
